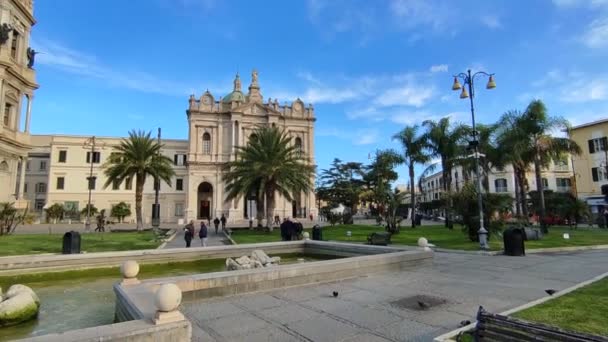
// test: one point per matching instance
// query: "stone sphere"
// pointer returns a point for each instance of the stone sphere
(129, 269)
(306, 235)
(423, 242)
(168, 297)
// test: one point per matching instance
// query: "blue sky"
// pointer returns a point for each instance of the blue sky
(369, 67)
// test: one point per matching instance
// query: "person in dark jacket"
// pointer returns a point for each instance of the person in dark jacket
(216, 223)
(189, 233)
(285, 230)
(223, 220)
(202, 234)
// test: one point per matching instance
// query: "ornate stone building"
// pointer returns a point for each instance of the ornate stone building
(17, 85)
(217, 127)
(59, 165)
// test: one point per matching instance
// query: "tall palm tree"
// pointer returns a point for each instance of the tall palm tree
(268, 164)
(414, 152)
(444, 141)
(542, 146)
(138, 156)
(492, 157)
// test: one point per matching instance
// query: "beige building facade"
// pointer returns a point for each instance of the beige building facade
(591, 167)
(17, 86)
(59, 166)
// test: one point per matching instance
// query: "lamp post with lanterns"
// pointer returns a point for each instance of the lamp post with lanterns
(468, 81)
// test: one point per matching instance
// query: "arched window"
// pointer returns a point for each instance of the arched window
(298, 145)
(206, 143)
(501, 185)
(4, 166)
(545, 183)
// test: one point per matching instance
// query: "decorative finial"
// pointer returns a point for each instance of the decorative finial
(254, 77)
(237, 82)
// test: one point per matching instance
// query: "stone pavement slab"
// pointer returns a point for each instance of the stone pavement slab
(365, 310)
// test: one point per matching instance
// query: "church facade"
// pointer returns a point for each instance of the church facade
(59, 165)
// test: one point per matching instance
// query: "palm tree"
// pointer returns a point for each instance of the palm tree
(138, 157)
(492, 158)
(414, 152)
(268, 164)
(444, 141)
(543, 147)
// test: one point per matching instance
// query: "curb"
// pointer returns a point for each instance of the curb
(566, 249)
(169, 239)
(452, 334)
(232, 242)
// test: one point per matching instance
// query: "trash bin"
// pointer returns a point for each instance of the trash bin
(514, 241)
(418, 219)
(317, 233)
(71, 243)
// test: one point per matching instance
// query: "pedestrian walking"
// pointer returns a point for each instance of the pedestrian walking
(189, 233)
(202, 234)
(223, 221)
(216, 223)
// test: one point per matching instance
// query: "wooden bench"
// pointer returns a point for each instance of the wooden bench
(379, 239)
(493, 327)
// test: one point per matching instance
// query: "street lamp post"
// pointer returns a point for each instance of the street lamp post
(90, 180)
(468, 81)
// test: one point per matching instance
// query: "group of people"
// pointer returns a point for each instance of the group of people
(291, 230)
(190, 230)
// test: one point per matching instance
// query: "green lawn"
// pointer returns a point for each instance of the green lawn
(584, 310)
(90, 242)
(437, 235)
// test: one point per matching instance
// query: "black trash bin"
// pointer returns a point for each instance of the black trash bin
(418, 220)
(317, 233)
(71, 243)
(514, 241)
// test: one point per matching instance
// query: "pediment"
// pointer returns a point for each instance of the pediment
(256, 109)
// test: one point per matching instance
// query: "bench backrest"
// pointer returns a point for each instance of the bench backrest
(493, 327)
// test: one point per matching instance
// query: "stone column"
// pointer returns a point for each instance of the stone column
(22, 178)
(28, 114)
(233, 147)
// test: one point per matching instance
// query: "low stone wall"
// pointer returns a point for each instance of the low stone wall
(132, 331)
(372, 259)
(47, 263)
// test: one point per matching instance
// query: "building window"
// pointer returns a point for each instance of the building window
(63, 155)
(206, 143)
(42, 165)
(599, 174)
(298, 145)
(7, 114)
(598, 144)
(27, 165)
(179, 159)
(39, 204)
(545, 183)
(115, 185)
(179, 184)
(40, 188)
(91, 181)
(60, 183)
(563, 184)
(25, 188)
(129, 183)
(179, 209)
(15, 44)
(501, 185)
(96, 157)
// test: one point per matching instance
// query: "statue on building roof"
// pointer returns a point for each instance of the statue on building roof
(5, 30)
(254, 77)
(237, 82)
(31, 56)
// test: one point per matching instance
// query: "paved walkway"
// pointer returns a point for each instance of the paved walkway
(213, 239)
(365, 309)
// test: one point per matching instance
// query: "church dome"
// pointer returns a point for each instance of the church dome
(235, 96)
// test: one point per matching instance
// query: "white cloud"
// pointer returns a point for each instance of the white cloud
(415, 13)
(366, 137)
(439, 68)
(491, 21)
(406, 95)
(356, 137)
(579, 3)
(586, 91)
(417, 117)
(596, 35)
(55, 55)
